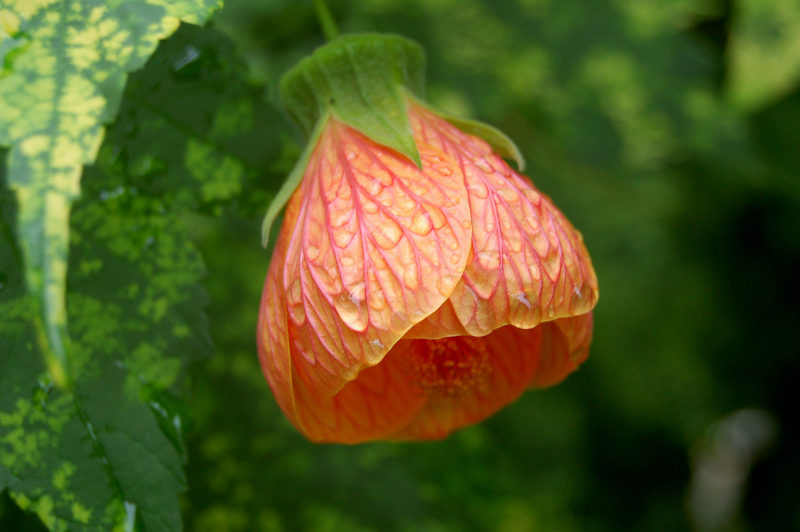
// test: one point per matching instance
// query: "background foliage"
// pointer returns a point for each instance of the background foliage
(666, 130)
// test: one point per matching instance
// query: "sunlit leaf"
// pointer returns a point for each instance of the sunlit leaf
(58, 90)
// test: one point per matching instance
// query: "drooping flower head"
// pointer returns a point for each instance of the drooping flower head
(418, 283)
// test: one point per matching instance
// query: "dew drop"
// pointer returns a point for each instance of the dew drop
(350, 313)
(369, 207)
(374, 187)
(489, 259)
(478, 191)
(388, 235)
(421, 223)
(484, 165)
(312, 252)
(509, 193)
(446, 284)
(377, 301)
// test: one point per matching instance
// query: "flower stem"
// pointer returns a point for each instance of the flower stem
(329, 28)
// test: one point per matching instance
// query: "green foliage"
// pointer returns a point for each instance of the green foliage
(666, 130)
(58, 88)
(764, 57)
(109, 451)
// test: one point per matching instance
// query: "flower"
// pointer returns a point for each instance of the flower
(405, 302)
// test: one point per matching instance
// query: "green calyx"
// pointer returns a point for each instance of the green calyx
(360, 80)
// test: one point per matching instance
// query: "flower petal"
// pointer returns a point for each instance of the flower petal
(376, 246)
(528, 264)
(565, 346)
(512, 356)
(273, 333)
(378, 403)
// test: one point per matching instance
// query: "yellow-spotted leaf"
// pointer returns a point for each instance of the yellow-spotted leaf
(107, 452)
(65, 66)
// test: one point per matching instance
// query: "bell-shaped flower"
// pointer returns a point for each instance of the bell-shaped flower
(418, 283)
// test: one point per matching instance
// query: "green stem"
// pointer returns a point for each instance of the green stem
(329, 28)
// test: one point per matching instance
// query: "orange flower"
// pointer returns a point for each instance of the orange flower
(405, 303)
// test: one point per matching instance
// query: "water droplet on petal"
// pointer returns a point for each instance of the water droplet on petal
(484, 165)
(350, 313)
(445, 171)
(388, 235)
(446, 284)
(489, 259)
(421, 223)
(377, 301)
(312, 253)
(370, 207)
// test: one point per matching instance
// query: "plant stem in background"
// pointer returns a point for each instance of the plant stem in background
(329, 28)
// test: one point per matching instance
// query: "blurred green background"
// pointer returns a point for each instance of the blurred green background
(669, 133)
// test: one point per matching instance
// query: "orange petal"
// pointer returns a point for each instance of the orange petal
(503, 364)
(373, 246)
(528, 264)
(273, 334)
(565, 346)
(378, 403)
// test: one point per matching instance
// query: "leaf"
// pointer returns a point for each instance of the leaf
(109, 452)
(95, 456)
(63, 85)
(764, 53)
(90, 459)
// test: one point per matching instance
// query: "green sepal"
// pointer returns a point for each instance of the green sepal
(359, 79)
(290, 184)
